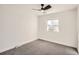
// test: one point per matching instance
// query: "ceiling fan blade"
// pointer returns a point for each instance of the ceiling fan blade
(37, 9)
(47, 7)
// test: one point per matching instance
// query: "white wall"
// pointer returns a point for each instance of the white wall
(78, 25)
(67, 27)
(18, 25)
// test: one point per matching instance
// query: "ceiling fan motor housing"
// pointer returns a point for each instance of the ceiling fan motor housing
(42, 5)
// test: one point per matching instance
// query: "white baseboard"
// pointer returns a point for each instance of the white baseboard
(5, 49)
(58, 42)
(15, 46)
(24, 43)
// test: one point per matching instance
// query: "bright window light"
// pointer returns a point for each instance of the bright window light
(53, 25)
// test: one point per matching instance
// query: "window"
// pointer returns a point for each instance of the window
(53, 25)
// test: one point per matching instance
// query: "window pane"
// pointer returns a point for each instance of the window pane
(53, 25)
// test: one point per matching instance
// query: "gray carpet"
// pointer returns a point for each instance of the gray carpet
(41, 47)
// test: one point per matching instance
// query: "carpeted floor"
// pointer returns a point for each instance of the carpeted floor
(41, 47)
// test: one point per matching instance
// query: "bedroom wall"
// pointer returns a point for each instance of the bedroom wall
(67, 28)
(78, 25)
(18, 25)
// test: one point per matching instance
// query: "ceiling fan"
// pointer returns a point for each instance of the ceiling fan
(43, 8)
